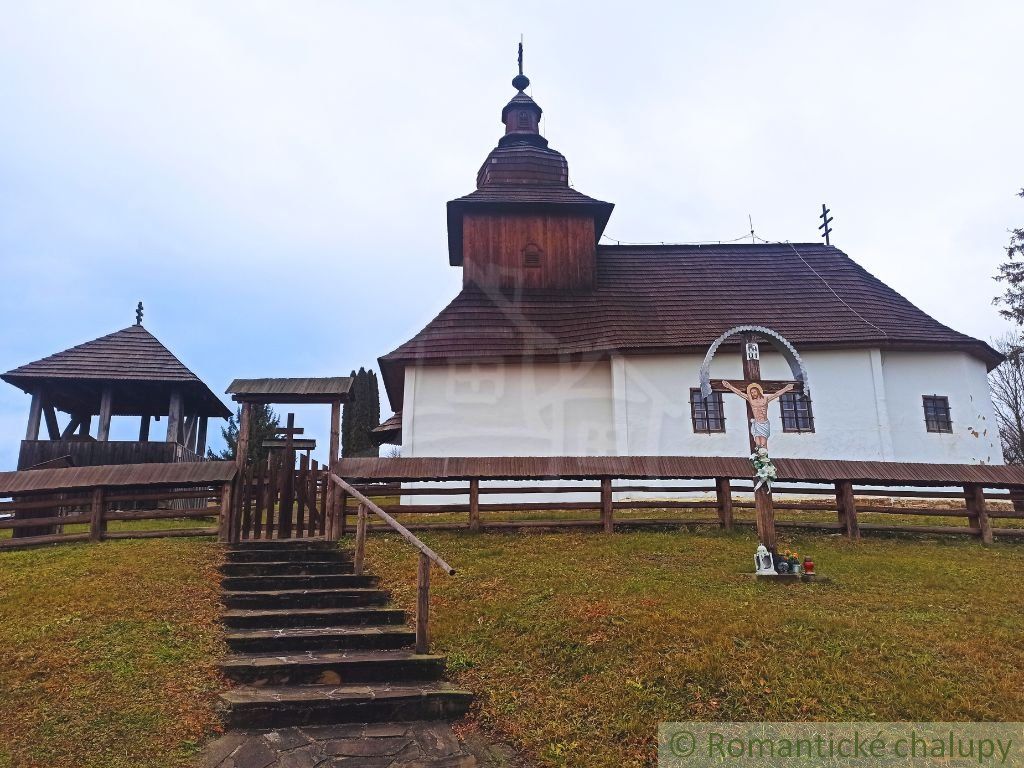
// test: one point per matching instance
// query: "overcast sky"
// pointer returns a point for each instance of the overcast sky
(270, 178)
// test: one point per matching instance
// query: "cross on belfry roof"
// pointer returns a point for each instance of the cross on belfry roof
(138, 314)
(520, 57)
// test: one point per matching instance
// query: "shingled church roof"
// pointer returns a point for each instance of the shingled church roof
(132, 356)
(679, 298)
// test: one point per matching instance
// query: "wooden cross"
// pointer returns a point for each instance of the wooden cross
(290, 432)
(765, 510)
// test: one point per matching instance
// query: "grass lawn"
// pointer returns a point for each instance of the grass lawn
(578, 644)
(107, 653)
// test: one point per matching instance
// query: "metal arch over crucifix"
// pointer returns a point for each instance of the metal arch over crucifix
(758, 394)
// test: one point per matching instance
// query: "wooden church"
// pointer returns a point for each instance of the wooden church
(559, 345)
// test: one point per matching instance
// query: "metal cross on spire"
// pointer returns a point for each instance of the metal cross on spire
(825, 221)
(138, 314)
(520, 55)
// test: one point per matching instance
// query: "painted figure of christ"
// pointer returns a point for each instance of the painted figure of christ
(760, 428)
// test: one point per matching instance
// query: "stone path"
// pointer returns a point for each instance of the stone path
(378, 745)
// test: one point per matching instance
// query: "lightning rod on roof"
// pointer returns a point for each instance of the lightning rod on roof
(825, 221)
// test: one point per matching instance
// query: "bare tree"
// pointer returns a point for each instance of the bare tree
(1007, 382)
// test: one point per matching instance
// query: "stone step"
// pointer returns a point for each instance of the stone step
(332, 668)
(285, 567)
(273, 707)
(311, 617)
(255, 555)
(296, 581)
(306, 598)
(284, 544)
(295, 639)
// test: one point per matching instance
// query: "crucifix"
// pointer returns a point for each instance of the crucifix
(753, 390)
(288, 470)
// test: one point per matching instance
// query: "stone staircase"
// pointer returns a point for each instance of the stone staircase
(313, 644)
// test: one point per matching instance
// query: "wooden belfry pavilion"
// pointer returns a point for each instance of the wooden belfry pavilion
(126, 373)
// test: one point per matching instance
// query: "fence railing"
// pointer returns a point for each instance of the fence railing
(427, 556)
(86, 515)
(969, 510)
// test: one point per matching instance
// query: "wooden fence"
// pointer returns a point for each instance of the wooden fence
(971, 510)
(277, 501)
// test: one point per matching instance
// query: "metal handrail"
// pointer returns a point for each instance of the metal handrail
(404, 532)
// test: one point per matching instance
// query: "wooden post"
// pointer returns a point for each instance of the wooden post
(50, 416)
(174, 418)
(86, 425)
(847, 507)
(340, 513)
(190, 432)
(334, 449)
(144, 422)
(765, 513)
(35, 415)
(977, 513)
(474, 505)
(607, 517)
(423, 605)
(97, 525)
(106, 411)
(360, 541)
(242, 444)
(226, 528)
(723, 489)
(204, 423)
(69, 430)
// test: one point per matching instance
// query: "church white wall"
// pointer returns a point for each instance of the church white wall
(546, 409)
(961, 378)
(867, 406)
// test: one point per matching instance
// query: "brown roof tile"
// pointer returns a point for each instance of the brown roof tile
(680, 298)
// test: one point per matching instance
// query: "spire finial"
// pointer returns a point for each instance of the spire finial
(138, 314)
(520, 82)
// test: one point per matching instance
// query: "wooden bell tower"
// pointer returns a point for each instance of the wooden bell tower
(524, 227)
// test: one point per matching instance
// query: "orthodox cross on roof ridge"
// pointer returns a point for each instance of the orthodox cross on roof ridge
(825, 221)
(138, 314)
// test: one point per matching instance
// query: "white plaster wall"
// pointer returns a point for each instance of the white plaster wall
(846, 418)
(550, 409)
(867, 406)
(961, 378)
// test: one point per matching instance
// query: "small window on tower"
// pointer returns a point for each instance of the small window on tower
(531, 255)
(936, 414)
(523, 119)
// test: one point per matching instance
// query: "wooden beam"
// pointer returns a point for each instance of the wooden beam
(35, 415)
(723, 490)
(85, 425)
(242, 443)
(69, 430)
(174, 414)
(144, 429)
(977, 513)
(764, 511)
(474, 505)
(225, 527)
(360, 541)
(607, 513)
(847, 508)
(190, 432)
(423, 604)
(767, 385)
(204, 424)
(50, 416)
(97, 526)
(334, 449)
(106, 410)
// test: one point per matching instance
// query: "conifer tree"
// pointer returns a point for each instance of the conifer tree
(361, 415)
(262, 427)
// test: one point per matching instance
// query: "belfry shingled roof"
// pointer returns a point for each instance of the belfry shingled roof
(132, 354)
(680, 298)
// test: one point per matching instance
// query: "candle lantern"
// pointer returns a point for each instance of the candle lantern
(763, 563)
